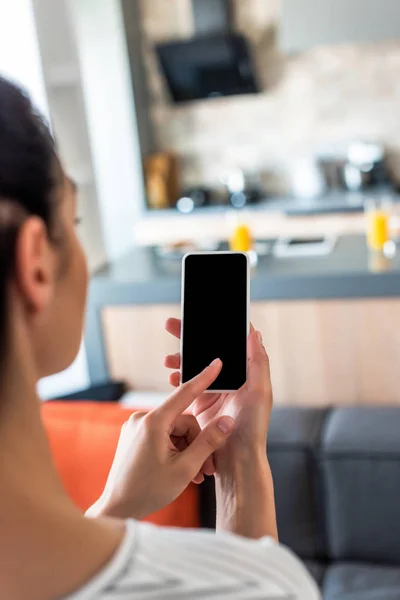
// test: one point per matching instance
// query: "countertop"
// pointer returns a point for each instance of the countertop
(144, 277)
(337, 213)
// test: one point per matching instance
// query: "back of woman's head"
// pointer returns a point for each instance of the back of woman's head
(29, 175)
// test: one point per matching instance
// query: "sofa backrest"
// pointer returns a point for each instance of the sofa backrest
(360, 469)
(337, 482)
(294, 437)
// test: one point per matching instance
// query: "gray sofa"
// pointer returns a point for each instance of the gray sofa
(337, 486)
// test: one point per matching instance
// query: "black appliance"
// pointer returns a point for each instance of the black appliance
(208, 67)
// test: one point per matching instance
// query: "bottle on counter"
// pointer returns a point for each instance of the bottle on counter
(378, 230)
(242, 241)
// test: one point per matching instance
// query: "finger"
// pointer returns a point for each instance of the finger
(255, 345)
(198, 479)
(261, 342)
(258, 363)
(187, 393)
(173, 326)
(175, 379)
(173, 361)
(180, 443)
(186, 426)
(209, 467)
(207, 401)
(210, 439)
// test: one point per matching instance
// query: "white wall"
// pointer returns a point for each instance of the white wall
(309, 23)
(64, 91)
(111, 118)
(19, 49)
(72, 57)
(73, 379)
(20, 60)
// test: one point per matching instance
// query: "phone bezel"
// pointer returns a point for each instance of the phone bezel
(187, 255)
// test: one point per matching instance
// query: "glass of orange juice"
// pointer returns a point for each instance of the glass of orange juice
(378, 212)
(241, 239)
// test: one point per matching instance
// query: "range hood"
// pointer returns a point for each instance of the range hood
(309, 23)
(216, 62)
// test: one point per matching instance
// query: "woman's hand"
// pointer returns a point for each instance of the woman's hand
(250, 407)
(241, 464)
(159, 453)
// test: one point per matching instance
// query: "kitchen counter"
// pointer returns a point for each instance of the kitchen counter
(144, 279)
(338, 213)
(349, 272)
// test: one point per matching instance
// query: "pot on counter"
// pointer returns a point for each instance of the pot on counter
(354, 167)
(360, 167)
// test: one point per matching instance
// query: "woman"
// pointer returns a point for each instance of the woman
(48, 549)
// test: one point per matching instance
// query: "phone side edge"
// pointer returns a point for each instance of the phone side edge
(182, 309)
(248, 276)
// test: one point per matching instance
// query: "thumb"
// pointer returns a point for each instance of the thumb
(207, 442)
(255, 348)
(258, 361)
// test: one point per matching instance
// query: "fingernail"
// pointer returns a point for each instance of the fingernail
(215, 362)
(225, 425)
(260, 339)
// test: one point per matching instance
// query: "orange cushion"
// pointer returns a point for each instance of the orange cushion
(83, 439)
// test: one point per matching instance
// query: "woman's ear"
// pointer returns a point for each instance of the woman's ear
(34, 265)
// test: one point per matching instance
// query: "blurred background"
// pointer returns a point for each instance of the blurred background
(267, 126)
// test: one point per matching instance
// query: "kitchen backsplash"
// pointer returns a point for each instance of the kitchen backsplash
(323, 96)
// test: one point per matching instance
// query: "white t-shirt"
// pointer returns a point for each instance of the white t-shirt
(159, 564)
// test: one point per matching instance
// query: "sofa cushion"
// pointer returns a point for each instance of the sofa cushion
(83, 438)
(317, 571)
(293, 437)
(361, 582)
(360, 461)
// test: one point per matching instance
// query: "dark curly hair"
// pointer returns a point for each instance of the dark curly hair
(29, 176)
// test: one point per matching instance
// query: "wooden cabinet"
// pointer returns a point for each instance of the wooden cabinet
(136, 344)
(333, 352)
(322, 352)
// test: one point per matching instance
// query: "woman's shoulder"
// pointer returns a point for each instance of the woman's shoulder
(222, 559)
(163, 562)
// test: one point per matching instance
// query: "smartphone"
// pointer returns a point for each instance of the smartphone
(215, 316)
